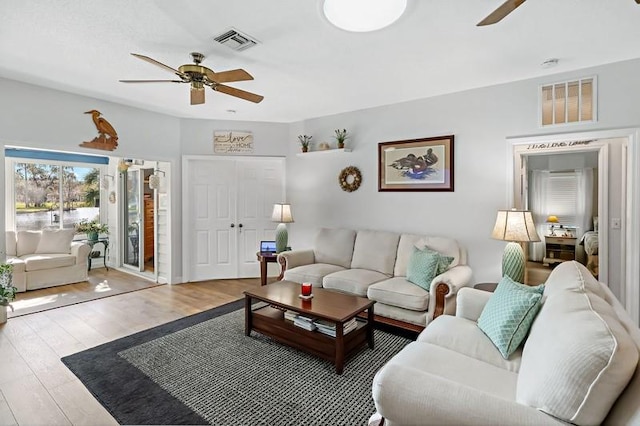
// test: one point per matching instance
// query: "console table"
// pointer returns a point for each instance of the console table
(559, 249)
(105, 244)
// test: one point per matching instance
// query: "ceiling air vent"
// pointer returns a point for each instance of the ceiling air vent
(235, 40)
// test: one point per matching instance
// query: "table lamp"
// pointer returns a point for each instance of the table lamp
(514, 226)
(552, 219)
(282, 214)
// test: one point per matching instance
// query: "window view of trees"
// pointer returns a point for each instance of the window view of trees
(49, 195)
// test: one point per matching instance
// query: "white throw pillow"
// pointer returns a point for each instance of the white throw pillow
(55, 241)
(27, 242)
(578, 357)
(11, 243)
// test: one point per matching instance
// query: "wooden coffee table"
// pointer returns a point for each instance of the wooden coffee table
(328, 305)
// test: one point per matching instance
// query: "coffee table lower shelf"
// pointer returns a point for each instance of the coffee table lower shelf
(271, 322)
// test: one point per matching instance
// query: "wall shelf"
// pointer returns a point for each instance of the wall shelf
(324, 152)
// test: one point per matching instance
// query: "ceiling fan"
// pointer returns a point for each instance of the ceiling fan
(506, 8)
(199, 76)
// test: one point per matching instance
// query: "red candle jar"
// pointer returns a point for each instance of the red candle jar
(306, 289)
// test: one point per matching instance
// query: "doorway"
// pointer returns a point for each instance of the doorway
(227, 212)
(618, 201)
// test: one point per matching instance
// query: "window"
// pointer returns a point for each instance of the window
(568, 102)
(562, 197)
(51, 190)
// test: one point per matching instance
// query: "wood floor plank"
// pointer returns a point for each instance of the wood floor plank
(31, 404)
(6, 416)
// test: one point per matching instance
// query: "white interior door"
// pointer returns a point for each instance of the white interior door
(260, 185)
(212, 196)
(230, 203)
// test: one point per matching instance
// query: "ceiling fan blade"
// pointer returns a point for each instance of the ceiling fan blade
(230, 76)
(506, 8)
(252, 97)
(159, 64)
(151, 81)
(638, 1)
(197, 96)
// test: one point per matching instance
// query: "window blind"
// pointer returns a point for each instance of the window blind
(55, 156)
(562, 197)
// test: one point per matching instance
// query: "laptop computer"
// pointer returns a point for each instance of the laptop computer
(267, 247)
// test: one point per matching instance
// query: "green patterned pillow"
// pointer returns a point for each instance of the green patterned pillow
(424, 265)
(509, 313)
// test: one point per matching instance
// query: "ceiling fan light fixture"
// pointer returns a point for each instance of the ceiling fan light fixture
(363, 15)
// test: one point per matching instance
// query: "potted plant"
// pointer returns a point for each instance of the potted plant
(7, 290)
(91, 228)
(305, 142)
(341, 136)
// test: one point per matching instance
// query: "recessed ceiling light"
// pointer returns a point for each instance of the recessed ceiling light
(550, 63)
(363, 15)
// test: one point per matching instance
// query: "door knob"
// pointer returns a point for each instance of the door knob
(233, 225)
(240, 225)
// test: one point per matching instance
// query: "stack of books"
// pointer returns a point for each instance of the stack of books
(329, 328)
(304, 322)
(290, 315)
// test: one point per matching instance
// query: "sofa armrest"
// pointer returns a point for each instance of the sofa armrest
(443, 290)
(404, 395)
(291, 259)
(81, 252)
(471, 302)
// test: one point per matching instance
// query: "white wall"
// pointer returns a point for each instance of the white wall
(480, 119)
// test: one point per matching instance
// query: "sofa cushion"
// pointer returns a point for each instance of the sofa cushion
(27, 242)
(11, 243)
(463, 336)
(424, 265)
(313, 273)
(334, 246)
(55, 241)
(509, 313)
(352, 281)
(444, 246)
(456, 367)
(578, 357)
(397, 291)
(405, 315)
(36, 262)
(375, 250)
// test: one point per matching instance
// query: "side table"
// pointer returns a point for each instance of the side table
(105, 245)
(265, 258)
(491, 287)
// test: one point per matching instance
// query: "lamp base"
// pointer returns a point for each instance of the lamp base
(513, 262)
(282, 237)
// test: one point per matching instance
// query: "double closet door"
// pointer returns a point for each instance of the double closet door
(230, 201)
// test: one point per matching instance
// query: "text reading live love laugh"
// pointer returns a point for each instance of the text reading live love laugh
(549, 145)
(232, 142)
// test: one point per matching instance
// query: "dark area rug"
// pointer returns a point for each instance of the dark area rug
(202, 369)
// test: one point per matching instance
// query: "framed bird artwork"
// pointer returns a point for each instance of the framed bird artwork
(416, 165)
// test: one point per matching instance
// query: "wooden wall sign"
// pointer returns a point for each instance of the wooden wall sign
(107, 138)
(232, 142)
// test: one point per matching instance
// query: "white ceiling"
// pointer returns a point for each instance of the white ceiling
(303, 65)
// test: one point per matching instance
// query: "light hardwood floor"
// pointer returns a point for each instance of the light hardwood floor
(35, 386)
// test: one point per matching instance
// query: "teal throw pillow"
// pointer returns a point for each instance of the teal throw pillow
(509, 313)
(424, 265)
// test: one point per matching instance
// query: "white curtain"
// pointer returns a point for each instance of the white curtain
(540, 211)
(584, 200)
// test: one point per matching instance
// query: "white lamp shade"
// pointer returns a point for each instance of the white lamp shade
(154, 181)
(514, 225)
(282, 213)
(363, 15)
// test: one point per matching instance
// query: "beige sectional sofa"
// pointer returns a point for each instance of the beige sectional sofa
(373, 264)
(46, 258)
(579, 364)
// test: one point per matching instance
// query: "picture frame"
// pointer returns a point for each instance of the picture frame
(424, 164)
